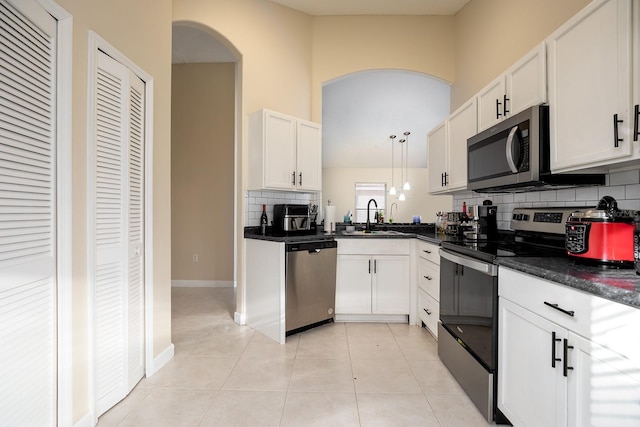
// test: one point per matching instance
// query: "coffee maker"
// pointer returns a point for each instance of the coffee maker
(483, 222)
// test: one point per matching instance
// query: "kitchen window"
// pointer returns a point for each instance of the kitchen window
(366, 191)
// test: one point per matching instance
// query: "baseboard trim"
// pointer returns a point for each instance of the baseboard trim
(86, 421)
(162, 359)
(202, 283)
(384, 318)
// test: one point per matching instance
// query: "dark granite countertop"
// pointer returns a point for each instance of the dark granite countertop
(254, 233)
(619, 285)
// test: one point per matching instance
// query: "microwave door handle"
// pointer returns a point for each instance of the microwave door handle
(509, 149)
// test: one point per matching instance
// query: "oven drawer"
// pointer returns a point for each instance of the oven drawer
(428, 251)
(429, 311)
(606, 322)
(429, 278)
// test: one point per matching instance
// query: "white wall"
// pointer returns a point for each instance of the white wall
(361, 110)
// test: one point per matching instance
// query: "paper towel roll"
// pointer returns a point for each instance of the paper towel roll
(329, 219)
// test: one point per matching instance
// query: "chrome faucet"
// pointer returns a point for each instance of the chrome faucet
(391, 211)
(368, 227)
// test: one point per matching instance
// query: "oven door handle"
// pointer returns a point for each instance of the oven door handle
(480, 266)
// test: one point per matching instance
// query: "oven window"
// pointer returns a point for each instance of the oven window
(468, 301)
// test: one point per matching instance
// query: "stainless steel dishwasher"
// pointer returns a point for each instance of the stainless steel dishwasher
(310, 278)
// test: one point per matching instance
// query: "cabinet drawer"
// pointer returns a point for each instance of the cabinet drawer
(429, 311)
(605, 322)
(429, 278)
(428, 251)
(373, 246)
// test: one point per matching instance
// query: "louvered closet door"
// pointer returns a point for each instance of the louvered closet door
(119, 208)
(136, 231)
(27, 216)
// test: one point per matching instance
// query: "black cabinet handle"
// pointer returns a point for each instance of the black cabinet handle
(442, 179)
(554, 359)
(427, 311)
(446, 181)
(498, 104)
(426, 251)
(568, 312)
(428, 277)
(375, 266)
(504, 105)
(566, 367)
(636, 113)
(369, 266)
(293, 178)
(300, 178)
(616, 140)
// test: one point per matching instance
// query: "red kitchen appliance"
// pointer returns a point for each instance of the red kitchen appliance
(603, 235)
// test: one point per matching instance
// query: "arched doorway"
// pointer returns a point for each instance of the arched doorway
(205, 135)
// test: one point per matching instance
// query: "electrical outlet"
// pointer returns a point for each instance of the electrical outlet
(195, 257)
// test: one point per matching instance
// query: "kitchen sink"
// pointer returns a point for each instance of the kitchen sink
(372, 233)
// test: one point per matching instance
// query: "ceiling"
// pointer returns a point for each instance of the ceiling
(375, 7)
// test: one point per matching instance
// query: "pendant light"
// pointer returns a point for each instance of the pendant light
(406, 185)
(402, 168)
(392, 190)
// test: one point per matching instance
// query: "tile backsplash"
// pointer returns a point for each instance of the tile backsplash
(253, 201)
(622, 186)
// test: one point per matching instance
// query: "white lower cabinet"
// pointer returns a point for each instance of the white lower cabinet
(428, 281)
(428, 311)
(372, 276)
(574, 368)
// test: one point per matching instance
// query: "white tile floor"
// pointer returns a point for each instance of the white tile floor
(342, 374)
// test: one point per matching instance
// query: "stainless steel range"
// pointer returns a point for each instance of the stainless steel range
(468, 328)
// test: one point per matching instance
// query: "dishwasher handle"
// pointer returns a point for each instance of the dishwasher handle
(315, 246)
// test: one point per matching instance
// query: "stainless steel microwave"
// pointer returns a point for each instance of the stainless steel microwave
(514, 156)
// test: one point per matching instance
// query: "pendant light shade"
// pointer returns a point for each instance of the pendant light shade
(404, 166)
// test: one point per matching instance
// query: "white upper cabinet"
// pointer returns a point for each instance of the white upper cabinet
(523, 85)
(462, 126)
(285, 153)
(590, 87)
(447, 149)
(308, 156)
(437, 158)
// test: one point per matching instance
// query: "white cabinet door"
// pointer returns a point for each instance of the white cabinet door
(437, 158)
(589, 83)
(463, 124)
(309, 156)
(279, 151)
(490, 103)
(604, 387)
(527, 81)
(391, 285)
(531, 392)
(523, 85)
(353, 284)
(636, 77)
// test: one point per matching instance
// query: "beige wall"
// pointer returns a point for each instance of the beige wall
(143, 34)
(272, 44)
(490, 35)
(338, 185)
(202, 132)
(347, 44)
